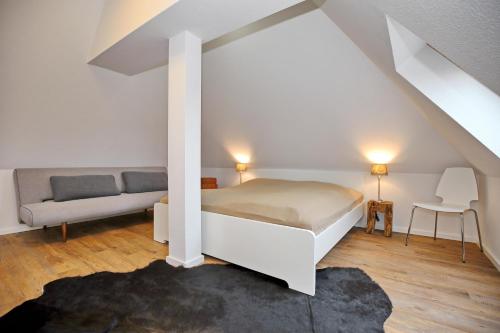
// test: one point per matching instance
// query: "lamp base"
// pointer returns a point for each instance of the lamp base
(379, 199)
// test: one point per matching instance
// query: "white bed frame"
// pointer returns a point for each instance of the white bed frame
(286, 253)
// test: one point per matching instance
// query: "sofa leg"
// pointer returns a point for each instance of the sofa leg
(64, 231)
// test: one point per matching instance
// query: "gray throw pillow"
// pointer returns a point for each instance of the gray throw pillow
(66, 188)
(138, 182)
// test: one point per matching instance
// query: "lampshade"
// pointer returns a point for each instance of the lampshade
(241, 167)
(379, 170)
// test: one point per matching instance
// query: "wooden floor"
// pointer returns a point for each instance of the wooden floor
(430, 288)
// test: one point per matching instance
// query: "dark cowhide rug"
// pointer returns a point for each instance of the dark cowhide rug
(209, 298)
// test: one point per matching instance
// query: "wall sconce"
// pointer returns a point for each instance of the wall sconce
(379, 170)
(241, 167)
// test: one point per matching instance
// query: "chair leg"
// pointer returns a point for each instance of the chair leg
(64, 231)
(463, 241)
(478, 231)
(409, 227)
(435, 225)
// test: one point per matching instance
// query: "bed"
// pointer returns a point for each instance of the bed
(280, 228)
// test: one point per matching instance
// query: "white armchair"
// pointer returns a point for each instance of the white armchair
(457, 188)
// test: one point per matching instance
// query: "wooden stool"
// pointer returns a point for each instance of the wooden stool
(380, 207)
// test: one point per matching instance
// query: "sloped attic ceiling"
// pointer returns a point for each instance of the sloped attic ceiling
(315, 81)
(464, 31)
(132, 36)
(301, 94)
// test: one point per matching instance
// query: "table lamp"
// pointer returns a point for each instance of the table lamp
(379, 170)
(241, 167)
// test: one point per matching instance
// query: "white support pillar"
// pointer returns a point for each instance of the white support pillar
(184, 150)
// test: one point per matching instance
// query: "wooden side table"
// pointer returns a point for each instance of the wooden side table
(375, 207)
(209, 183)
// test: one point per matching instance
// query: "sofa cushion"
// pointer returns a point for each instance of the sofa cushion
(67, 188)
(138, 182)
(52, 212)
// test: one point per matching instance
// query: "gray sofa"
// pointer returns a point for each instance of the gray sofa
(36, 207)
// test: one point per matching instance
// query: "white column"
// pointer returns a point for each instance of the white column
(184, 150)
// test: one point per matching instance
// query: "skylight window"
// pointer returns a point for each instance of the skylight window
(471, 104)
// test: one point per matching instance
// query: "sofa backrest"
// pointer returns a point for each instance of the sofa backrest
(33, 185)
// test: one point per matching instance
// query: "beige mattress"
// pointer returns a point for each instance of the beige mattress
(303, 204)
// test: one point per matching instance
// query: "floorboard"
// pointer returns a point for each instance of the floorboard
(430, 288)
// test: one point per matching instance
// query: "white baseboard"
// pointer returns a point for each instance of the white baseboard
(20, 227)
(16, 229)
(361, 224)
(174, 261)
(494, 260)
(429, 233)
(421, 232)
(194, 262)
(187, 264)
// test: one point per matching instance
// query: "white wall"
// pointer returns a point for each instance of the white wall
(299, 94)
(55, 110)
(472, 21)
(489, 195)
(401, 188)
(9, 221)
(113, 26)
(302, 95)
(364, 22)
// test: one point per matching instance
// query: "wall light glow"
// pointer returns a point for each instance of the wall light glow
(239, 150)
(380, 156)
(242, 158)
